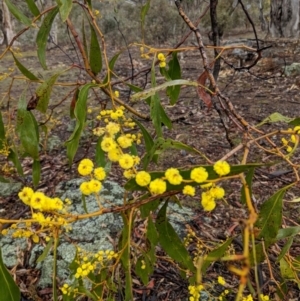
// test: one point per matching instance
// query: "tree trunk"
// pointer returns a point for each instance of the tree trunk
(6, 25)
(216, 33)
(284, 18)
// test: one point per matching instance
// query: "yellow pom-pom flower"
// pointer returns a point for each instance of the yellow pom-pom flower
(37, 200)
(162, 64)
(126, 161)
(129, 174)
(114, 155)
(158, 186)
(189, 190)
(199, 174)
(173, 176)
(85, 167)
(99, 173)
(112, 128)
(95, 185)
(207, 201)
(124, 141)
(25, 195)
(143, 178)
(85, 188)
(108, 144)
(161, 57)
(222, 168)
(217, 192)
(221, 280)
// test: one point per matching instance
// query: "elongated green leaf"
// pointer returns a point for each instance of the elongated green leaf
(44, 91)
(13, 157)
(46, 250)
(270, 216)
(24, 70)
(174, 73)
(215, 254)
(170, 241)
(17, 13)
(2, 133)
(84, 40)
(285, 248)
(32, 7)
(147, 138)
(275, 117)
(111, 65)
(288, 232)
(42, 36)
(134, 88)
(164, 117)
(248, 179)
(155, 114)
(36, 172)
(124, 245)
(26, 129)
(286, 270)
(95, 52)
(9, 290)
(154, 89)
(65, 7)
(144, 11)
(100, 158)
(295, 122)
(80, 115)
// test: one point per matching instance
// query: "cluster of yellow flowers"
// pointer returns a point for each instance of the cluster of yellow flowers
(39, 201)
(86, 168)
(198, 175)
(162, 60)
(194, 291)
(293, 141)
(89, 263)
(262, 298)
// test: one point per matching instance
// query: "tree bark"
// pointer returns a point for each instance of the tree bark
(284, 18)
(216, 33)
(6, 25)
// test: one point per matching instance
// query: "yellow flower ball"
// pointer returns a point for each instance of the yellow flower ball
(222, 168)
(162, 64)
(158, 186)
(199, 174)
(114, 155)
(37, 200)
(161, 57)
(143, 178)
(173, 176)
(112, 128)
(25, 195)
(99, 173)
(221, 280)
(124, 141)
(85, 167)
(95, 185)
(126, 161)
(217, 192)
(108, 144)
(129, 174)
(207, 201)
(85, 188)
(189, 190)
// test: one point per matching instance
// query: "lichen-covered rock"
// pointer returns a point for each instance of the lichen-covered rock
(91, 234)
